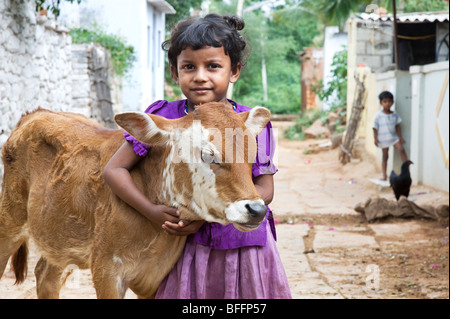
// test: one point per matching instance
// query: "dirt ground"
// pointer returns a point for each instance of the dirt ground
(342, 253)
(328, 249)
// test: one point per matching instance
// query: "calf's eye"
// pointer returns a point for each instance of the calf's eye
(209, 157)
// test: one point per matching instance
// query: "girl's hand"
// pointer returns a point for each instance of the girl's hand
(183, 227)
(162, 213)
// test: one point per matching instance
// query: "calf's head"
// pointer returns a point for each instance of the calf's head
(207, 168)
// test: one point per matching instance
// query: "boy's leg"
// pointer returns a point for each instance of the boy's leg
(384, 163)
(399, 147)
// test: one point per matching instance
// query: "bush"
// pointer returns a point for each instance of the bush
(122, 55)
(297, 131)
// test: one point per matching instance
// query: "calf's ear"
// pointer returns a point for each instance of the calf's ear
(147, 128)
(256, 119)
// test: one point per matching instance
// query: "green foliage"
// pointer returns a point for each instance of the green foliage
(425, 5)
(122, 55)
(53, 7)
(336, 12)
(297, 131)
(336, 91)
(223, 7)
(182, 8)
(277, 38)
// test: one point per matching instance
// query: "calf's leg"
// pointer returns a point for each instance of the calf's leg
(10, 247)
(48, 279)
(13, 242)
(108, 279)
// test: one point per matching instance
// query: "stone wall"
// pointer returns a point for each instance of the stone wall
(35, 58)
(39, 66)
(374, 46)
(96, 90)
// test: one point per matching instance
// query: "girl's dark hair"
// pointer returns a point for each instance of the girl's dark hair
(212, 30)
(385, 95)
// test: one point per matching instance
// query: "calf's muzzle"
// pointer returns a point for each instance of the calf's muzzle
(256, 213)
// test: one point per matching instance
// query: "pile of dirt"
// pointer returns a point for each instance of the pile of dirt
(381, 208)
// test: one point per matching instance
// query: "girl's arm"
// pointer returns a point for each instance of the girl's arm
(117, 176)
(265, 188)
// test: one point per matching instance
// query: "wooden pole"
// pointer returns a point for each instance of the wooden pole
(394, 7)
(345, 153)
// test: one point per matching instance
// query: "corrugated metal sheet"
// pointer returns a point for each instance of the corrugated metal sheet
(162, 6)
(408, 17)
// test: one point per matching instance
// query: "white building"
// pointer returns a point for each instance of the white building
(142, 24)
(333, 43)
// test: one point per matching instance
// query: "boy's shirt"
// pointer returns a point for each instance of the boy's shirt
(385, 125)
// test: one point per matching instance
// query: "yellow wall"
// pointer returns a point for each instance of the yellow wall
(365, 74)
(370, 102)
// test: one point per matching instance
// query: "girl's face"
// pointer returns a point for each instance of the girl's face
(204, 75)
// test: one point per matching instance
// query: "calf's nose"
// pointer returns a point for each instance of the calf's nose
(256, 212)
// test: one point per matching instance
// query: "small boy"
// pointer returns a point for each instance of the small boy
(387, 131)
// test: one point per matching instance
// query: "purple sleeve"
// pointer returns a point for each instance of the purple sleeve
(140, 148)
(264, 163)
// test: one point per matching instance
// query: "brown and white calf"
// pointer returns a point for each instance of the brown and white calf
(53, 192)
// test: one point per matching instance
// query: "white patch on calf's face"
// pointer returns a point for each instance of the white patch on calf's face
(186, 147)
(237, 212)
(205, 195)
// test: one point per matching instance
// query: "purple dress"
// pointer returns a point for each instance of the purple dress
(220, 261)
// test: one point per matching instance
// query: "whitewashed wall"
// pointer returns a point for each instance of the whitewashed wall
(39, 66)
(35, 63)
(430, 124)
(141, 23)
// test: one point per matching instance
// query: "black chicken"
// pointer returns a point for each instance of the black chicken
(401, 183)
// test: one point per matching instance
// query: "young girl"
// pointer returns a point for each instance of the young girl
(205, 55)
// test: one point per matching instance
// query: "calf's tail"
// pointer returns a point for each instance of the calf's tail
(20, 264)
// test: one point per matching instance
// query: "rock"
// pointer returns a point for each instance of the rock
(317, 130)
(409, 207)
(336, 140)
(442, 211)
(379, 208)
(332, 118)
(359, 207)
